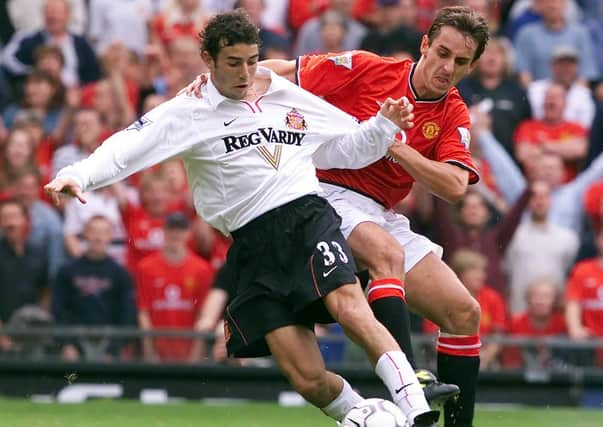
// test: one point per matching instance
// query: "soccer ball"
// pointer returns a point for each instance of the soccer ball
(374, 413)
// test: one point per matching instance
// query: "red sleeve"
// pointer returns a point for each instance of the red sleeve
(499, 312)
(329, 73)
(206, 281)
(574, 284)
(454, 145)
(141, 277)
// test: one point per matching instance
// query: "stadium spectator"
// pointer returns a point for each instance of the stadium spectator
(553, 135)
(43, 95)
(579, 106)
(178, 18)
(332, 31)
(103, 202)
(541, 318)
(81, 65)
(144, 220)
(584, 299)
(567, 207)
(172, 285)
(535, 43)
(473, 232)
(309, 40)
(301, 11)
(538, 249)
(255, 10)
(470, 266)
(496, 91)
(93, 290)
(125, 22)
(17, 155)
(390, 35)
(30, 15)
(23, 267)
(45, 225)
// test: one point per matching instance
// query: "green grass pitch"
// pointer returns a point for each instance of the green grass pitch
(104, 413)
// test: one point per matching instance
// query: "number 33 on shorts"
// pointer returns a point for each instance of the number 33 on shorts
(331, 253)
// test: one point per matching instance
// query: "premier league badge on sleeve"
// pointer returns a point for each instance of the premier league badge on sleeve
(139, 123)
(295, 120)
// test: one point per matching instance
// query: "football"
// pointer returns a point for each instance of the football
(374, 413)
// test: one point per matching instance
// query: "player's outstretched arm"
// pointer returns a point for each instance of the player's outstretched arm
(368, 142)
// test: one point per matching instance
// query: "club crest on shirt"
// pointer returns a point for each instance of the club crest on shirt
(430, 130)
(295, 120)
(139, 123)
(465, 137)
(190, 283)
(344, 60)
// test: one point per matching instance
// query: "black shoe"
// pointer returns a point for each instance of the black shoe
(427, 419)
(436, 393)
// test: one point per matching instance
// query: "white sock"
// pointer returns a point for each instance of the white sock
(400, 379)
(342, 404)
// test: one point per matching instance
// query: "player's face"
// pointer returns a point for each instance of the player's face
(233, 71)
(445, 60)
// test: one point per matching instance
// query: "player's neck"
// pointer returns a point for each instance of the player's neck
(259, 88)
(420, 87)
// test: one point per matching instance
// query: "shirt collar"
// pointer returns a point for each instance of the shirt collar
(215, 98)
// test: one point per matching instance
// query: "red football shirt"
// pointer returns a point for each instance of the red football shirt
(523, 326)
(173, 294)
(145, 234)
(585, 286)
(357, 82)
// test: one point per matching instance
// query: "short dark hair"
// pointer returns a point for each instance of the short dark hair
(465, 20)
(15, 202)
(228, 29)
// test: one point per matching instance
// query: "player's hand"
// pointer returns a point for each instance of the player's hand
(63, 186)
(194, 88)
(399, 111)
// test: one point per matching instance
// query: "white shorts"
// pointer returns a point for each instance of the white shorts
(355, 208)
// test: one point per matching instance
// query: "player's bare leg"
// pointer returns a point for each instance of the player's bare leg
(296, 352)
(348, 306)
(379, 252)
(457, 314)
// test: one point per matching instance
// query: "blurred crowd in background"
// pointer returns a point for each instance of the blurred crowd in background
(527, 241)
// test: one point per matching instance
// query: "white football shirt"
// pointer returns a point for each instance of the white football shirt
(242, 158)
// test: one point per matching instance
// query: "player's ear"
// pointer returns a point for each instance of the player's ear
(424, 44)
(209, 61)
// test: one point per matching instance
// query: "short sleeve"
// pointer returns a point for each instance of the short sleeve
(455, 143)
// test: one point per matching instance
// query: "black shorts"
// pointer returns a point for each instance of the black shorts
(281, 265)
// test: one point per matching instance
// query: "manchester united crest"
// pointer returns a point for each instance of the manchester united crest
(430, 130)
(295, 120)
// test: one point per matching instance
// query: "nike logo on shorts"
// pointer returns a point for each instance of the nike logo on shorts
(228, 123)
(326, 273)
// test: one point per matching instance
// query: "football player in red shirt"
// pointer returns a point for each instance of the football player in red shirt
(437, 156)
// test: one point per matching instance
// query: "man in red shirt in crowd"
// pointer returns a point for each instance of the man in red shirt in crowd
(584, 299)
(542, 318)
(172, 285)
(437, 156)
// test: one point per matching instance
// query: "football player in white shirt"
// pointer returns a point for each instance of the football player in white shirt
(250, 147)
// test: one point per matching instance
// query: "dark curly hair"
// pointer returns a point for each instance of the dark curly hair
(228, 29)
(465, 20)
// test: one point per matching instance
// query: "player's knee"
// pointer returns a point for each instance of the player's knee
(465, 317)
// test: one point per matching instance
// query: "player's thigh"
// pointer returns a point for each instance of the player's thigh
(434, 291)
(296, 351)
(376, 250)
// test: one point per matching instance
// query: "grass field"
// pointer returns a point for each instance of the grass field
(21, 413)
